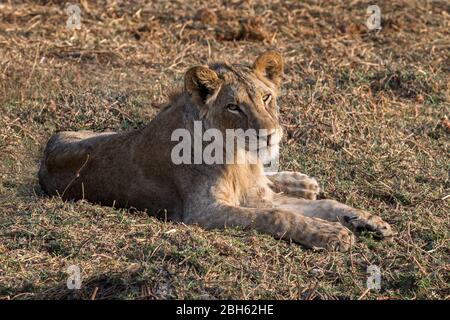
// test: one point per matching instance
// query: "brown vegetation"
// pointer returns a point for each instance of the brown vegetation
(369, 102)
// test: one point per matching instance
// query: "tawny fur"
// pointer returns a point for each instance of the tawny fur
(134, 169)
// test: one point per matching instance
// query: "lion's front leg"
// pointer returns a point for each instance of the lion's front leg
(311, 232)
(356, 220)
(294, 184)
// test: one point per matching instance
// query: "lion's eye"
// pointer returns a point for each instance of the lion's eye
(266, 98)
(233, 108)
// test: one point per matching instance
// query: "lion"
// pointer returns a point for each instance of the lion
(135, 170)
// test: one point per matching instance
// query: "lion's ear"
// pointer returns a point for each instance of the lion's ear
(270, 65)
(200, 83)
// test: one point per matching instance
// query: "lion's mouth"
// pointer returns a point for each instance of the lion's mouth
(264, 142)
(257, 147)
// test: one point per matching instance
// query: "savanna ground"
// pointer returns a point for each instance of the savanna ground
(364, 112)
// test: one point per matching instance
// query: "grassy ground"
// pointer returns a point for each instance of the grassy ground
(364, 112)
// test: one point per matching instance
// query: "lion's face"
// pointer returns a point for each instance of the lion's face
(241, 97)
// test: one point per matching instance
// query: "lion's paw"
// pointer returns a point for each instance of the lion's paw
(295, 184)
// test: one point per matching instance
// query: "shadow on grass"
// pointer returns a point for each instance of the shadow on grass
(105, 286)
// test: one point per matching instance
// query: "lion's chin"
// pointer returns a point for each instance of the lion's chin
(274, 152)
(268, 154)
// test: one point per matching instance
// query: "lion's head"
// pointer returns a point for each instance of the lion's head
(234, 96)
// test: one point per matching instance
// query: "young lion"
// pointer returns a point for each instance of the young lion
(135, 169)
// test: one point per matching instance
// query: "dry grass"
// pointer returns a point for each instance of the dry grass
(362, 111)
